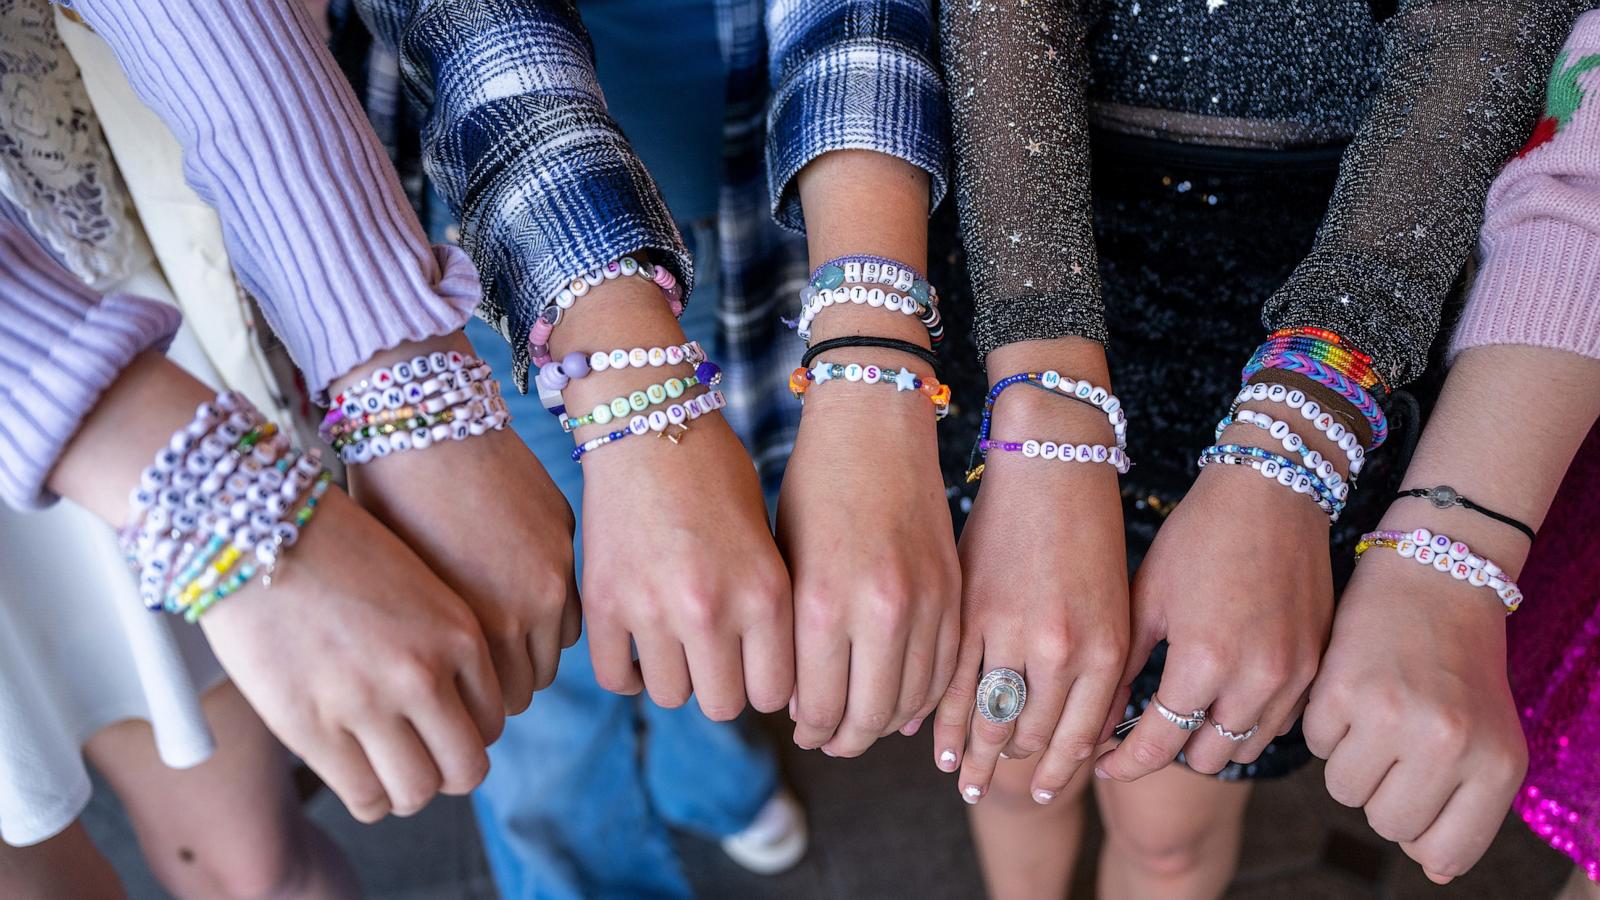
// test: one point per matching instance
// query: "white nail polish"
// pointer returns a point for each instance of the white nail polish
(1004, 755)
(971, 793)
(947, 758)
(1043, 796)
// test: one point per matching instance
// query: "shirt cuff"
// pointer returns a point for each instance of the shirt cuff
(1539, 287)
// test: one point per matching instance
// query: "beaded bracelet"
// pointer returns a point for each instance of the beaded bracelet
(1309, 410)
(1083, 453)
(626, 267)
(912, 293)
(1280, 469)
(707, 373)
(553, 377)
(938, 394)
(1327, 376)
(1291, 442)
(453, 394)
(662, 422)
(815, 301)
(1445, 555)
(1081, 391)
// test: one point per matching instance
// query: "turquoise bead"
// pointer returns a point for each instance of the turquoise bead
(919, 291)
(830, 277)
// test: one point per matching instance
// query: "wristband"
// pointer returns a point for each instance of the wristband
(1327, 376)
(662, 422)
(1444, 496)
(818, 300)
(938, 394)
(567, 297)
(1066, 386)
(851, 279)
(1445, 555)
(1325, 347)
(707, 373)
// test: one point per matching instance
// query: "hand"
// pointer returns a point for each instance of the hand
(365, 665)
(1239, 583)
(865, 527)
(1414, 715)
(483, 514)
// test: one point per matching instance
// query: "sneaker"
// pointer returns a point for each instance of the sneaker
(775, 840)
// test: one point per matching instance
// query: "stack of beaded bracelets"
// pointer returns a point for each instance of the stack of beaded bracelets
(872, 281)
(413, 405)
(706, 373)
(1331, 361)
(221, 502)
(660, 422)
(553, 377)
(1282, 470)
(1309, 410)
(821, 372)
(1446, 555)
(1080, 390)
(567, 297)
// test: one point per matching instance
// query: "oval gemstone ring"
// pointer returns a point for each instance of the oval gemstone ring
(1001, 695)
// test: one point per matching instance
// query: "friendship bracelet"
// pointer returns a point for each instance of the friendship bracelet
(403, 384)
(444, 393)
(1445, 555)
(1329, 377)
(862, 269)
(1083, 453)
(707, 373)
(662, 422)
(567, 297)
(1309, 410)
(1444, 496)
(1291, 442)
(867, 340)
(1276, 468)
(1053, 381)
(554, 377)
(938, 394)
(815, 301)
(1324, 346)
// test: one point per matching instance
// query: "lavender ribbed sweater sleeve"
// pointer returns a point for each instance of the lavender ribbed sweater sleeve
(1539, 284)
(61, 345)
(316, 223)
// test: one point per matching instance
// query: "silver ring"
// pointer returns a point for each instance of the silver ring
(1001, 695)
(1236, 738)
(1184, 722)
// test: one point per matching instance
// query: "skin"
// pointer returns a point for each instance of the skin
(1423, 733)
(1067, 630)
(358, 657)
(867, 532)
(525, 602)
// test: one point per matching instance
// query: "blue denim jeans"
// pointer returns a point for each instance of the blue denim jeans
(583, 786)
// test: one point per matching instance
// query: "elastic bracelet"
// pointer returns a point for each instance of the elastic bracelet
(1445, 555)
(1328, 348)
(567, 297)
(1444, 496)
(1065, 385)
(472, 418)
(556, 375)
(669, 423)
(1309, 410)
(813, 302)
(706, 373)
(1082, 453)
(1291, 441)
(442, 393)
(1277, 468)
(938, 394)
(849, 279)
(867, 340)
(864, 269)
(1364, 402)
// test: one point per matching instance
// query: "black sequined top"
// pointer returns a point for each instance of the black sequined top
(1432, 96)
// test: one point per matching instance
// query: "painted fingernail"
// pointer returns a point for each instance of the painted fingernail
(911, 727)
(1100, 773)
(971, 793)
(947, 760)
(1043, 797)
(1004, 755)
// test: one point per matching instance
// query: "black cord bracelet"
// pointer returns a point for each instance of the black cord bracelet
(1444, 496)
(867, 340)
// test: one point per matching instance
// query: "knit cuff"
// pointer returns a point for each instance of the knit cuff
(1540, 287)
(1037, 317)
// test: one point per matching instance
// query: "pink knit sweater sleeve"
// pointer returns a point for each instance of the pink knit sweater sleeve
(1539, 284)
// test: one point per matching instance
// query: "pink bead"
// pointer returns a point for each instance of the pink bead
(540, 332)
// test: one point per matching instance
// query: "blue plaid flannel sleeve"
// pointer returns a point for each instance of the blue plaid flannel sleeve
(518, 141)
(852, 74)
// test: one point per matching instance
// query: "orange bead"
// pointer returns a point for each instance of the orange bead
(798, 381)
(941, 396)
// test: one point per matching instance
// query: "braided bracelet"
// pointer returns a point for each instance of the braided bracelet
(1445, 555)
(1324, 346)
(1291, 442)
(662, 422)
(567, 297)
(707, 373)
(938, 394)
(1276, 468)
(1325, 375)
(1309, 410)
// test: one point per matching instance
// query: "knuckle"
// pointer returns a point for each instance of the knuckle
(823, 720)
(414, 676)
(1209, 662)
(989, 733)
(615, 681)
(912, 704)
(1076, 750)
(876, 722)
(1343, 793)
(1103, 658)
(1391, 828)
(1148, 755)
(1031, 740)
(700, 612)
(1273, 666)
(889, 607)
(721, 710)
(1447, 730)
(669, 697)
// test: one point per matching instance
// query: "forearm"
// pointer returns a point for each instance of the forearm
(1506, 427)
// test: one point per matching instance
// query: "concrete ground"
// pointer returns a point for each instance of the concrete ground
(889, 825)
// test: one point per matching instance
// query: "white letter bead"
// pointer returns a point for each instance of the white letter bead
(1424, 555)
(871, 374)
(619, 358)
(1460, 571)
(875, 298)
(658, 356)
(1279, 430)
(638, 357)
(1336, 432)
(852, 271)
(1270, 468)
(1406, 548)
(1050, 450)
(1050, 378)
(853, 372)
(1276, 393)
(1101, 453)
(638, 425)
(888, 274)
(1098, 396)
(1477, 578)
(1258, 392)
(1310, 411)
(1325, 471)
(1286, 477)
(1032, 449)
(1295, 399)
(658, 421)
(1474, 561)
(1422, 536)
(858, 294)
(1442, 562)
(1323, 422)
(1083, 453)
(1440, 543)
(1458, 551)
(676, 414)
(869, 271)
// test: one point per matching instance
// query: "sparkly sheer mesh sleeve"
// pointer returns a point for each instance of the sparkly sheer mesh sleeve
(1460, 89)
(1016, 76)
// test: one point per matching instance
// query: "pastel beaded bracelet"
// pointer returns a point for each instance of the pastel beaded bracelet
(707, 373)
(813, 302)
(553, 376)
(1309, 410)
(802, 379)
(1083, 453)
(1277, 468)
(1065, 385)
(670, 423)
(567, 297)
(1293, 443)
(872, 280)
(1445, 555)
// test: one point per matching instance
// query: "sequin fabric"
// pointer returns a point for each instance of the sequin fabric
(1554, 661)
(1432, 100)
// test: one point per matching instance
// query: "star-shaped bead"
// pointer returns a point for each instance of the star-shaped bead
(905, 381)
(822, 373)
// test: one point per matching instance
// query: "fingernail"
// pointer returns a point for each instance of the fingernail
(911, 727)
(947, 760)
(827, 752)
(971, 793)
(1004, 755)
(791, 708)
(1043, 797)
(1100, 773)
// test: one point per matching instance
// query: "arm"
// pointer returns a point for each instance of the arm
(1528, 348)
(1032, 257)
(856, 156)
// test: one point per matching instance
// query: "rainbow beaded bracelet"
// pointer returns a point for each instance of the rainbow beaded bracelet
(1445, 555)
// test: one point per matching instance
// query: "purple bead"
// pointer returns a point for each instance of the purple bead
(550, 377)
(708, 372)
(575, 365)
(1013, 446)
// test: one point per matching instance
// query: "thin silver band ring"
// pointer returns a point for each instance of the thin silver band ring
(1236, 738)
